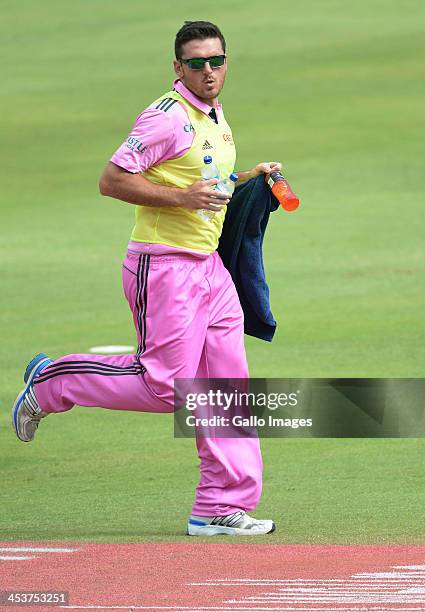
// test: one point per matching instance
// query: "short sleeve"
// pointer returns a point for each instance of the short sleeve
(151, 140)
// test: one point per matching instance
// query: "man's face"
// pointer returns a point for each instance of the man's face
(208, 82)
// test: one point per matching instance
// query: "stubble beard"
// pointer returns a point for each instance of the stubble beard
(210, 97)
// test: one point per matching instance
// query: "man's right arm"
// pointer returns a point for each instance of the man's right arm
(118, 183)
(151, 141)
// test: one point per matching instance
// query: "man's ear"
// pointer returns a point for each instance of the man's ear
(178, 69)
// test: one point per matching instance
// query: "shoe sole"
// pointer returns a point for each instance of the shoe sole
(37, 364)
(212, 530)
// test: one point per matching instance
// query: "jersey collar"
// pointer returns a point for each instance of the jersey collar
(194, 100)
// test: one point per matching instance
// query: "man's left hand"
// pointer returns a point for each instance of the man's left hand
(264, 168)
(267, 168)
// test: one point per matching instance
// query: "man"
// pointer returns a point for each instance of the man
(185, 307)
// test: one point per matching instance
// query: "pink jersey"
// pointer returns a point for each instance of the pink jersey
(157, 135)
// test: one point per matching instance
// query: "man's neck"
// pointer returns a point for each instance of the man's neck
(213, 102)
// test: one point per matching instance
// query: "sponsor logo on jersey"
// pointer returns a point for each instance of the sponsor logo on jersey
(188, 127)
(207, 145)
(228, 138)
(135, 145)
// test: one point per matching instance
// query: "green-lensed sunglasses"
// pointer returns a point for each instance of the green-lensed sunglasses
(198, 63)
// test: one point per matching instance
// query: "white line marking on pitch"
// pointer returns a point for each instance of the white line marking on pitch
(312, 583)
(412, 574)
(14, 558)
(36, 549)
(365, 598)
(111, 349)
(393, 577)
(200, 608)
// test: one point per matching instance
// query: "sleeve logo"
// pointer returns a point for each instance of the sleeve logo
(135, 145)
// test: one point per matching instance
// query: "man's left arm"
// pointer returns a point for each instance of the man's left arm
(263, 167)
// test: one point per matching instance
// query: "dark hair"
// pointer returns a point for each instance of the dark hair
(196, 30)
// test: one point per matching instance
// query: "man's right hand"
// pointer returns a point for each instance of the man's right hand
(116, 182)
(202, 195)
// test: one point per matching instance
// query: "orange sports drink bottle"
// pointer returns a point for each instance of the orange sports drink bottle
(282, 191)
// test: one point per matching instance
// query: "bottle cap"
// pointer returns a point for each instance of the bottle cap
(207, 159)
(233, 177)
(277, 176)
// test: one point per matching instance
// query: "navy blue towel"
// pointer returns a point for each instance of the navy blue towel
(240, 248)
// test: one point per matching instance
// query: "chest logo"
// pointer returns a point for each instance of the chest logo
(228, 138)
(207, 145)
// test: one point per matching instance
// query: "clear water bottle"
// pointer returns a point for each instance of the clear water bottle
(209, 171)
(228, 185)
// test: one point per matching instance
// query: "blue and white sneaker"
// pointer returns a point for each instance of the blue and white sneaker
(238, 523)
(26, 412)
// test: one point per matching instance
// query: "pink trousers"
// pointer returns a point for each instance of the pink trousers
(189, 324)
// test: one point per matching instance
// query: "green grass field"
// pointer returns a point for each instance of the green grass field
(334, 91)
